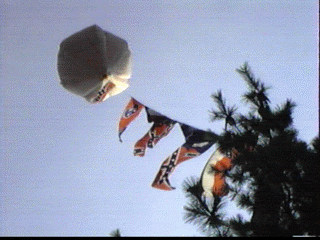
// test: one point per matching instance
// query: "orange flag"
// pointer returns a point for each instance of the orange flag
(183, 153)
(131, 112)
(161, 127)
(197, 142)
(213, 176)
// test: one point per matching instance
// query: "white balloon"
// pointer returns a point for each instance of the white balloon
(94, 64)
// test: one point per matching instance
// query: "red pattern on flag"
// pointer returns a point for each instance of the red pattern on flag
(158, 130)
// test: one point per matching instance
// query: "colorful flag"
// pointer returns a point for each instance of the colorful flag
(161, 127)
(213, 175)
(197, 142)
(153, 136)
(130, 113)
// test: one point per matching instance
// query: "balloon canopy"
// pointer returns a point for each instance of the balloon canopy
(94, 64)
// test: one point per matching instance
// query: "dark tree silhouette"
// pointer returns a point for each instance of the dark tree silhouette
(275, 176)
(115, 233)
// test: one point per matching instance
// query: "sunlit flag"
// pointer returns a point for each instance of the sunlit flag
(197, 142)
(213, 175)
(161, 127)
(131, 112)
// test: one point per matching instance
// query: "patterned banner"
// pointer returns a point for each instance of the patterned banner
(213, 175)
(197, 142)
(158, 130)
(131, 112)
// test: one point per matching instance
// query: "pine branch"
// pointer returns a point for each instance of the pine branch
(224, 112)
(240, 227)
(193, 188)
(115, 233)
(270, 155)
(248, 76)
(220, 102)
(282, 117)
(198, 211)
(257, 95)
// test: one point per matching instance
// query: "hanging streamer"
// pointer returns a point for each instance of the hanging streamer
(131, 112)
(197, 142)
(213, 175)
(161, 127)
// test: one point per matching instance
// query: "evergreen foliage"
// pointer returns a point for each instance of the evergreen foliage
(275, 176)
(115, 233)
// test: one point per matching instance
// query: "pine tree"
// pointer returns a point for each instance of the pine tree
(115, 233)
(275, 176)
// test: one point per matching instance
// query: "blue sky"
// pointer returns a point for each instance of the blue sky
(64, 172)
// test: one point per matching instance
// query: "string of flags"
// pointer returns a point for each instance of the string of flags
(196, 142)
(95, 65)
